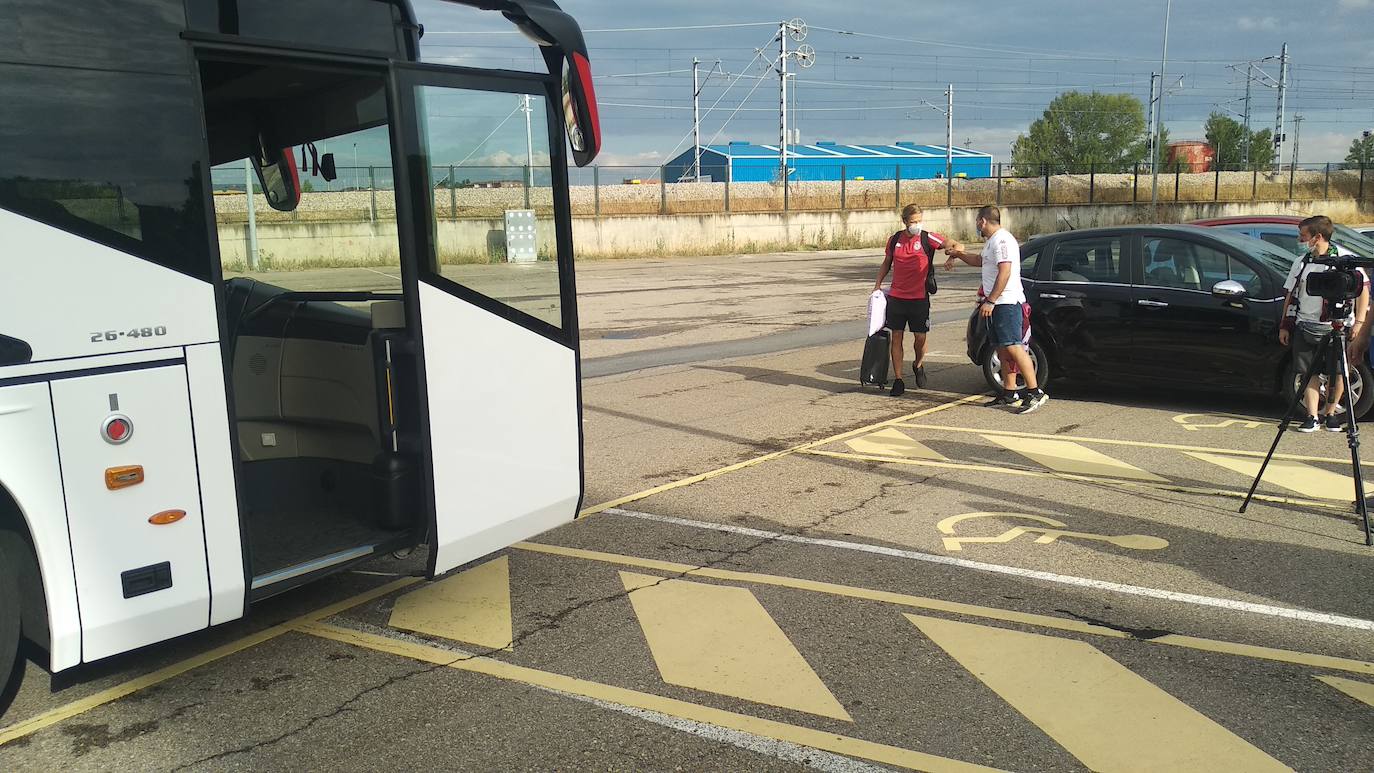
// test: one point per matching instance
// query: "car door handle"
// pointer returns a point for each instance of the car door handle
(1152, 304)
(1053, 296)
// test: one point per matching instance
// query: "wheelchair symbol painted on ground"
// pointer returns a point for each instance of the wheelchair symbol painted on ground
(1198, 421)
(1050, 532)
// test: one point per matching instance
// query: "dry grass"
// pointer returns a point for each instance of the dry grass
(710, 198)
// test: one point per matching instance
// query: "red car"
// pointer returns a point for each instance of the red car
(1282, 232)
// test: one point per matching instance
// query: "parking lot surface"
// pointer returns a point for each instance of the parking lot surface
(779, 569)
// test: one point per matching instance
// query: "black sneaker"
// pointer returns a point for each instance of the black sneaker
(1334, 423)
(898, 387)
(920, 376)
(1309, 424)
(1034, 402)
(1004, 399)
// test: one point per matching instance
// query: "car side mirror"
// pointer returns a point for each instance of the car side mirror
(1228, 288)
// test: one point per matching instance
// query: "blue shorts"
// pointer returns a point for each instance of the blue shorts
(1004, 327)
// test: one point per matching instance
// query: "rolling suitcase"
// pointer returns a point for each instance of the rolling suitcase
(877, 355)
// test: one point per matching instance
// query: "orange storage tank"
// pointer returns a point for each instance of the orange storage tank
(1191, 156)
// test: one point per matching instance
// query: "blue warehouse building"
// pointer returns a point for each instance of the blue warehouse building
(826, 161)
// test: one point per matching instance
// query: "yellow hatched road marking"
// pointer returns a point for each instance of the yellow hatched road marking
(722, 640)
(805, 736)
(1114, 442)
(967, 466)
(954, 607)
(892, 442)
(1071, 457)
(472, 607)
(1103, 713)
(625, 500)
(78, 707)
(1360, 691)
(1295, 476)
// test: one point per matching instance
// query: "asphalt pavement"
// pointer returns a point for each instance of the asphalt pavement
(780, 569)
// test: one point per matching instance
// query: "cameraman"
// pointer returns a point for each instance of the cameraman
(1306, 322)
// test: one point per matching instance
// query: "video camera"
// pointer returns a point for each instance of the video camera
(1342, 281)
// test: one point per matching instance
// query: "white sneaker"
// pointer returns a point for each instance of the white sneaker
(1033, 402)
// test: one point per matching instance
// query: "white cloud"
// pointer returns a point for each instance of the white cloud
(1355, 5)
(1265, 23)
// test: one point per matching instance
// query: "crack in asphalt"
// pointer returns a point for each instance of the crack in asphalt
(340, 709)
(548, 623)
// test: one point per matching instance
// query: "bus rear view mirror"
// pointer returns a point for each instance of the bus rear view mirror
(579, 109)
(281, 183)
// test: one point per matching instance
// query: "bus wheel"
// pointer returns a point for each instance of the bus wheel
(11, 665)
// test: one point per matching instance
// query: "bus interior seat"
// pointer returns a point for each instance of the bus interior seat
(314, 391)
(304, 383)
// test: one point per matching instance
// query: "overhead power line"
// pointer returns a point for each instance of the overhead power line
(619, 29)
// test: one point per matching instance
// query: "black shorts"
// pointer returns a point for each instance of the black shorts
(912, 314)
(1306, 339)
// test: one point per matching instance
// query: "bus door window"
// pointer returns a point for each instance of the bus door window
(489, 165)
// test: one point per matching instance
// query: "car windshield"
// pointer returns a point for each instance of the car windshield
(1354, 241)
(1271, 256)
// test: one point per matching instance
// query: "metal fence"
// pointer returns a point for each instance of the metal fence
(368, 193)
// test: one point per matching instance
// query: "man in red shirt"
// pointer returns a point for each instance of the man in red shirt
(909, 256)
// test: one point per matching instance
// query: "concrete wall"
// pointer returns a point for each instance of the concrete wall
(323, 244)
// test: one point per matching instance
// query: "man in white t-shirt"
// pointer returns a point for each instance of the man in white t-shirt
(1306, 321)
(1001, 305)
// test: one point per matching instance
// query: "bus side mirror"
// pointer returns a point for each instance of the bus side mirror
(580, 113)
(280, 182)
(326, 168)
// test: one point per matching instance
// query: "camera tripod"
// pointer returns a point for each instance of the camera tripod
(1330, 355)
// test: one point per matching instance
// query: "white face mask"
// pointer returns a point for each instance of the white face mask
(916, 228)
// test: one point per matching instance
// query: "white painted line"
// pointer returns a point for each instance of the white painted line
(1289, 613)
(379, 273)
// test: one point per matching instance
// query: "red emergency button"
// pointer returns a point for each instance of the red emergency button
(117, 429)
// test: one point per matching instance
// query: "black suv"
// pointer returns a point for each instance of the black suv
(1174, 305)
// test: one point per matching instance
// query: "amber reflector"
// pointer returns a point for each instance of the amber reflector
(123, 477)
(167, 516)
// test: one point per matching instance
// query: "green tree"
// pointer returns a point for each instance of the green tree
(1361, 151)
(1162, 151)
(307, 187)
(1228, 138)
(1078, 129)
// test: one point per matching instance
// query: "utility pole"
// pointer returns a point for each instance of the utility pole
(1150, 125)
(696, 120)
(696, 112)
(1278, 120)
(529, 145)
(949, 145)
(782, 102)
(252, 217)
(805, 56)
(1245, 139)
(1297, 135)
(1159, 112)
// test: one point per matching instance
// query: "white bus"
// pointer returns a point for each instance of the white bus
(180, 436)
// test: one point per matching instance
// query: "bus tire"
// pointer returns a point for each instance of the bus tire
(11, 665)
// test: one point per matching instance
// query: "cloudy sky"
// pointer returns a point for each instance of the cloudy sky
(1006, 63)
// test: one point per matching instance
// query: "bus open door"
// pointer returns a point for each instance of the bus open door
(499, 341)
